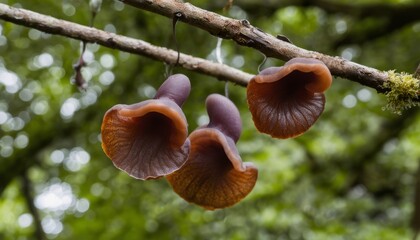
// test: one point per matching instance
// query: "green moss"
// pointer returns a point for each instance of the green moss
(404, 92)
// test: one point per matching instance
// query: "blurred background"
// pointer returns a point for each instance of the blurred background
(351, 176)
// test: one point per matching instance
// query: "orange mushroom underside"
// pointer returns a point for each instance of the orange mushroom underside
(212, 176)
(284, 108)
(149, 145)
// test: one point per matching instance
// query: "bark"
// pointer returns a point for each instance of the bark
(391, 16)
(72, 30)
(28, 194)
(240, 31)
(382, 10)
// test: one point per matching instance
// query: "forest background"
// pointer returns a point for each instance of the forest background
(351, 176)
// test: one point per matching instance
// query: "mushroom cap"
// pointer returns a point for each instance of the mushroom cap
(149, 139)
(286, 101)
(214, 176)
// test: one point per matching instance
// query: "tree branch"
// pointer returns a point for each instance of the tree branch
(392, 16)
(72, 30)
(238, 30)
(242, 32)
(364, 10)
(24, 159)
(27, 193)
(415, 218)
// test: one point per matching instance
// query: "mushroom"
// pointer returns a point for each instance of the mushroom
(286, 101)
(149, 139)
(214, 175)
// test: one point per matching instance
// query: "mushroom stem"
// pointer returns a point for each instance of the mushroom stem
(177, 88)
(224, 116)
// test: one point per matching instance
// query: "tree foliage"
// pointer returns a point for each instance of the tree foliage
(352, 175)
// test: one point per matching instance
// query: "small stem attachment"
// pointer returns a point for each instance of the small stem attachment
(169, 67)
(95, 7)
(228, 5)
(219, 59)
(227, 89)
(219, 50)
(177, 16)
(262, 63)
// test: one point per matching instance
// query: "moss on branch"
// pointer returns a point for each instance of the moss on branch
(404, 90)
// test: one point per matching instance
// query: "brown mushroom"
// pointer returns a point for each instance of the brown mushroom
(286, 101)
(214, 175)
(149, 139)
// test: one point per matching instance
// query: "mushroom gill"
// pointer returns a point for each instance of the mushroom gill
(214, 175)
(286, 101)
(149, 139)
